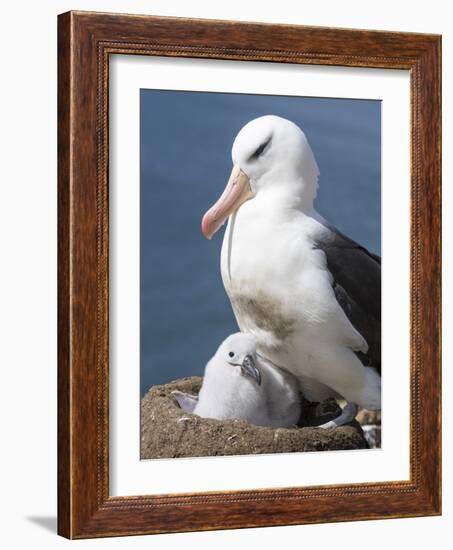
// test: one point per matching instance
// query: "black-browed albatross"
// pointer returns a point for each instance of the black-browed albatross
(309, 294)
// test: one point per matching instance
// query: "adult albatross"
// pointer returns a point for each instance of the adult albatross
(309, 294)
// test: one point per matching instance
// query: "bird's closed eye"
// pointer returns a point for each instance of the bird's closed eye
(260, 149)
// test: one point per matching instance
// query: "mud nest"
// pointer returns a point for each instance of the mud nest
(169, 432)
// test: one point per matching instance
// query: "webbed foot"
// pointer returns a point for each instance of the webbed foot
(186, 401)
(348, 414)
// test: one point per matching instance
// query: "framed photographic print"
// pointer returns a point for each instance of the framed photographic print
(229, 196)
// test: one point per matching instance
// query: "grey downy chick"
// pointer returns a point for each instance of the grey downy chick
(239, 383)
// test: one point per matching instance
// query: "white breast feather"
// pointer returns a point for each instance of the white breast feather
(269, 262)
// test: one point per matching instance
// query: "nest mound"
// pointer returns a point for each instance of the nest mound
(169, 432)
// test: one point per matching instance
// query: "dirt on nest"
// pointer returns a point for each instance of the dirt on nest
(169, 432)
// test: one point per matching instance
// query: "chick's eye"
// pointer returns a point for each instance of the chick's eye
(231, 354)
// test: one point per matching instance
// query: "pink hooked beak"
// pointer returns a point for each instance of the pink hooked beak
(236, 192)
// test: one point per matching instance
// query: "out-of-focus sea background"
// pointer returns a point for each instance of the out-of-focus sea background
(185, 141)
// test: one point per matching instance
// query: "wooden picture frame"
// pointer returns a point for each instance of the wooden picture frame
(85, 42)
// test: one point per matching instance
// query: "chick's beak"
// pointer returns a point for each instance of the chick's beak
(248, 368)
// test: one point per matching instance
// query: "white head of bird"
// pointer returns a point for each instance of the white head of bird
(271, 157)
(235, 357)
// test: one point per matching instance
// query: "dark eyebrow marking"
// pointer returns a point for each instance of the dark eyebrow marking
(260, 149)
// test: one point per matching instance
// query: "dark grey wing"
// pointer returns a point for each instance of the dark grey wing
(356, 282)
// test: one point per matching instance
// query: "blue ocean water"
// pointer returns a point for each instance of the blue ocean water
(186, 140)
